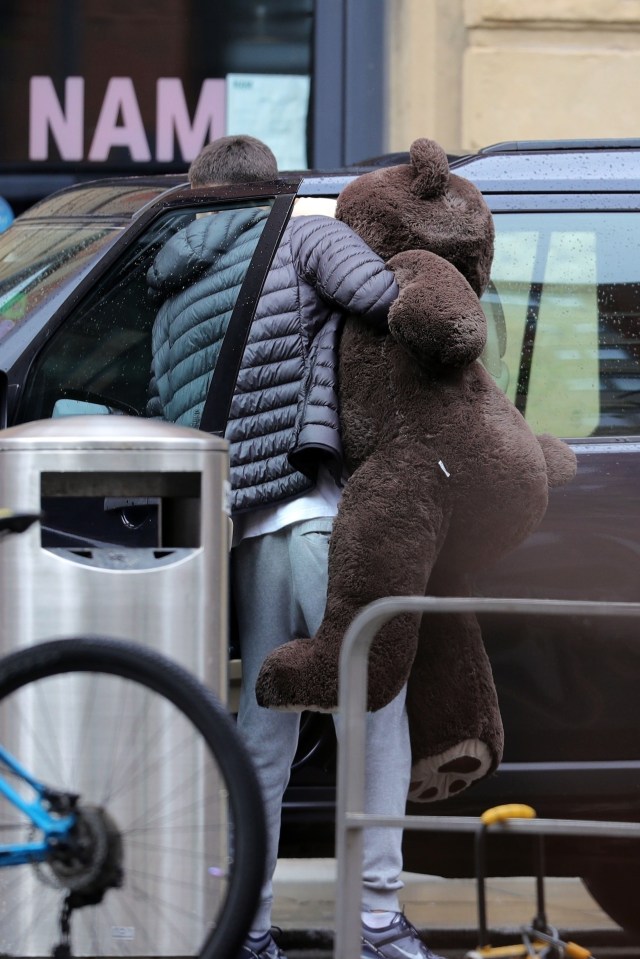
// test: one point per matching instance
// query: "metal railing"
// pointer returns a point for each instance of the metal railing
(351, 820)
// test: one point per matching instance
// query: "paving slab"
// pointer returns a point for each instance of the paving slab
(304, 899)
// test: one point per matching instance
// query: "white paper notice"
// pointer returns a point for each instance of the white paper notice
(274, 109)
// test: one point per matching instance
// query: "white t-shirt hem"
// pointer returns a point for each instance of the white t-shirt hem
(322, 500)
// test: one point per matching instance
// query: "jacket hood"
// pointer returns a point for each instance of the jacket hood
(194, 250)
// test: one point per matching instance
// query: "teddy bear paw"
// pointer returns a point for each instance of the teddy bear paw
(450, 772)
(291, 680)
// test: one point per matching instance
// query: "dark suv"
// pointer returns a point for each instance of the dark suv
(564, 343)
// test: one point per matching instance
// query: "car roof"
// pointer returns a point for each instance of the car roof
(122, 198)
(117, 198)
(519, 166)
(532, 166)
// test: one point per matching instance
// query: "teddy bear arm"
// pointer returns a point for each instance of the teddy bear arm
(560, 459)
(437, 316)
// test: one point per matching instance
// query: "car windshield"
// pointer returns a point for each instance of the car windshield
(35, 262)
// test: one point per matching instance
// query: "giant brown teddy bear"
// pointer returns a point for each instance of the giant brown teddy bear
(446, 476)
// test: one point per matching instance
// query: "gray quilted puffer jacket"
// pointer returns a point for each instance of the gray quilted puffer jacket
(284, 414)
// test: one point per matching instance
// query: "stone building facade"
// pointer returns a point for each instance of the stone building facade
(473, 72)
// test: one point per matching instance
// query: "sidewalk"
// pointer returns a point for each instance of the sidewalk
(304, 901)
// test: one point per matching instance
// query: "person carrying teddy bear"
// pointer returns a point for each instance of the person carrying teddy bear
(398, 395)
(282, 516)
(446, 477)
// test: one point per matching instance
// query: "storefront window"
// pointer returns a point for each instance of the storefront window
(185, 73)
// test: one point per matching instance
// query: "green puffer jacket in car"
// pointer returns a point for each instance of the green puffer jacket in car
(199, 273)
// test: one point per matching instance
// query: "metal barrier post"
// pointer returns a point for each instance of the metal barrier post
(351, 775)
(351, 819)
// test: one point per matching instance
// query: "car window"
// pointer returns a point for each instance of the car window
(35, 261)
(565, 287)
(99, 360)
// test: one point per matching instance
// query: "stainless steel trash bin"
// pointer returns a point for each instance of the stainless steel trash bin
(171, 595)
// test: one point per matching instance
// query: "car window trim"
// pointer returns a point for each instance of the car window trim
(216, 408)
(536, 288)
(561, 203)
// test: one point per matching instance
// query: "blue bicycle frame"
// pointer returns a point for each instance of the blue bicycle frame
(53, 828)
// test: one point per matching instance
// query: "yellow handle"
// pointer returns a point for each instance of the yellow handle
(499, 952)
(574, 951)
(509, 811)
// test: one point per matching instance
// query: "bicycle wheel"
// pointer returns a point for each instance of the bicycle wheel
(168, 800)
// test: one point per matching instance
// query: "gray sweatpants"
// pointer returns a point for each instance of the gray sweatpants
(280, 584)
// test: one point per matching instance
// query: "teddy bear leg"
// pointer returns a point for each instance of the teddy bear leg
(383, 543)
(456, 729)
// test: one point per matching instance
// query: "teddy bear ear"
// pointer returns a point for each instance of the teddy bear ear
(432, 168)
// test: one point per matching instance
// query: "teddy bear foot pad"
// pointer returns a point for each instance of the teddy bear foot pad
(450, 772)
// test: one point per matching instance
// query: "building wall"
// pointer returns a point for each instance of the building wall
(473, 72)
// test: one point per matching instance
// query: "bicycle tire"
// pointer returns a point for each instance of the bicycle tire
(145, 671)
